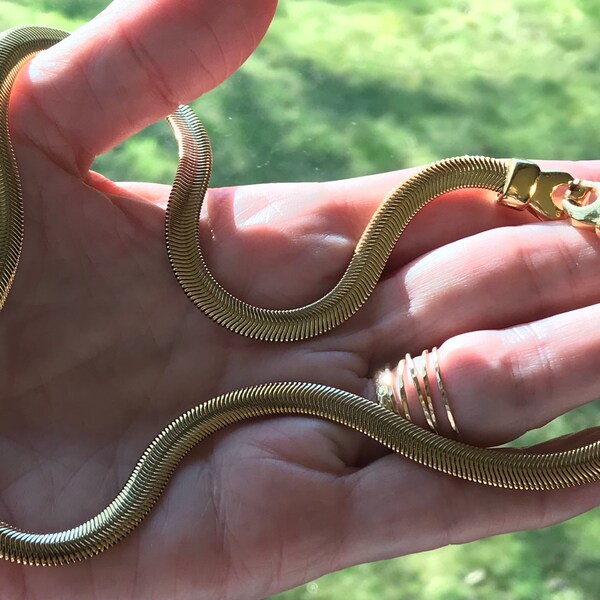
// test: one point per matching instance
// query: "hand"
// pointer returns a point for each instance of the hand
(101, 348)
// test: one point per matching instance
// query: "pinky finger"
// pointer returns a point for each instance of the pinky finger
(396, 507)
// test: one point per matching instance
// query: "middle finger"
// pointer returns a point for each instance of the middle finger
(491, 280)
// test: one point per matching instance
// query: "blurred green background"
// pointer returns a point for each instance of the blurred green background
(341, 88)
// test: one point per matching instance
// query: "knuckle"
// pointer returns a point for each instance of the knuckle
(529, 368)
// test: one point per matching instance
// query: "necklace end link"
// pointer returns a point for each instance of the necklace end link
(529, 188)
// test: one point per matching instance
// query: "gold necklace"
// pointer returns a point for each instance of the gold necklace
(518, 184)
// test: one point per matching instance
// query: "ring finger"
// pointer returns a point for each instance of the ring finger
(503, 383)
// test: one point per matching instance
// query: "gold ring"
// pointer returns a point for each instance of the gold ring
(391, 390)
(429, 416)
(427, 387)
(442, 388)
(400, 391)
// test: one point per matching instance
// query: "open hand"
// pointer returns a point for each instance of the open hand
(100, 348)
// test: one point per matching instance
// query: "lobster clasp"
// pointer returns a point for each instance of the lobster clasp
(582, 204)
(528, 187)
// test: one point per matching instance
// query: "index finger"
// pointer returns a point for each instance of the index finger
(343, 208)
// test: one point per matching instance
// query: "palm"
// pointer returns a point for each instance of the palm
(113, 361)
(102, 349)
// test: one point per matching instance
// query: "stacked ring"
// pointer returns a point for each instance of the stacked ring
(391, 390)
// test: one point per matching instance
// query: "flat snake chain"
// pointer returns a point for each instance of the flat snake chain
(509, 469)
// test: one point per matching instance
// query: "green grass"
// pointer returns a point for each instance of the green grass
(23, 13)
(345, 88)
(559, 563)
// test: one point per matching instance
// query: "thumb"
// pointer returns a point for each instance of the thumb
(130, 66)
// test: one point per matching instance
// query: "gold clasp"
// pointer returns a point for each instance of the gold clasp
(582, 204)
(528, 187)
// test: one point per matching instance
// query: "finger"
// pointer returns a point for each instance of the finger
(489, 281)
(396, 507)
(347, 205)
(501, 384)
(323, 222)
(130, 66)
(464, 213)
(315, 227)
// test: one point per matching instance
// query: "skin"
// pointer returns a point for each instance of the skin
(100, 348)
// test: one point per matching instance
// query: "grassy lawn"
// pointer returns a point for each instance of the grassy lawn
(345, 88)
